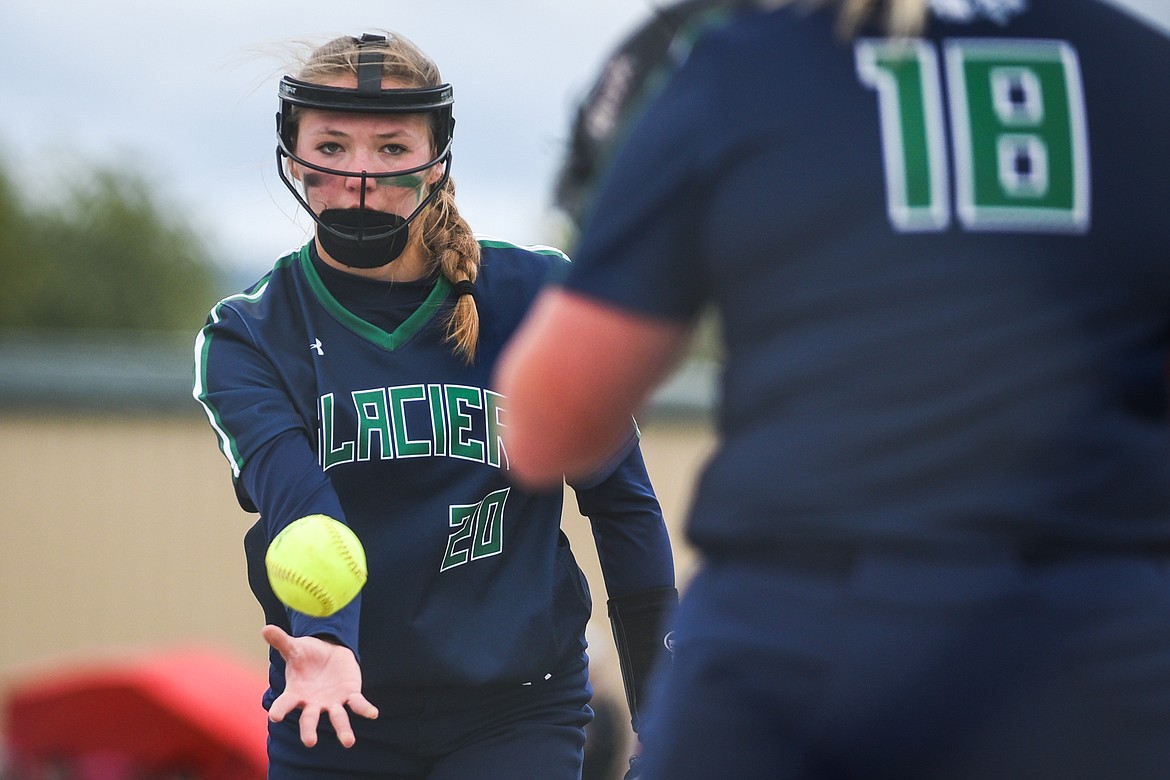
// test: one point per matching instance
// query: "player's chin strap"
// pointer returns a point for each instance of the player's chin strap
(640, 624)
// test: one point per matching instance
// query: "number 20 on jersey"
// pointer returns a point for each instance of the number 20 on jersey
(1019, 142)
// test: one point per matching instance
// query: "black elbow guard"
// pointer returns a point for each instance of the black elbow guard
(640, 623)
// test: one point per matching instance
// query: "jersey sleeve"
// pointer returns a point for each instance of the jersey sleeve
(239, 388)
(285, 482)
(633, 546)
(270, 452)
(642, 240)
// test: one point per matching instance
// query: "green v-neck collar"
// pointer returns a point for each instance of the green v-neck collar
(389, 341)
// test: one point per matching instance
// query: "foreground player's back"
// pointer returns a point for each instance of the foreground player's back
(959, 242)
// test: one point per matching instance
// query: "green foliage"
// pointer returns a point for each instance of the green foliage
(15, 282)
(107, 254)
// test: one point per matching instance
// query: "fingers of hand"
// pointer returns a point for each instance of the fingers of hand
(340, 720)
(282, 706)
(277, 639)
(359, 705)
(339, 717)
(309, 718)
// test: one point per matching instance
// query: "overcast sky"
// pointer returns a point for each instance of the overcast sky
(184, 93)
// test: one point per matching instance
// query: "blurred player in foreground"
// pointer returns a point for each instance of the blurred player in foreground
(354, 381)
(936, 531)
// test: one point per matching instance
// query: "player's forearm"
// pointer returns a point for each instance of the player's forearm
(555, 427)
(546, 445)
(573, 375)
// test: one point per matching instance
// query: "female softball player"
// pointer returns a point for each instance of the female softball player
(354, 380)
(936, 530)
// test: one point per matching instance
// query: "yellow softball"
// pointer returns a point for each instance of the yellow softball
(316, 565)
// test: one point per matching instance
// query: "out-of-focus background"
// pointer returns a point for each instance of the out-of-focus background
(137, 187)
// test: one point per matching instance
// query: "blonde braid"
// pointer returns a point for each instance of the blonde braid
(451, 245)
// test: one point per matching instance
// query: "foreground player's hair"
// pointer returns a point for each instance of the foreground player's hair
(446, 237)
(896, 17)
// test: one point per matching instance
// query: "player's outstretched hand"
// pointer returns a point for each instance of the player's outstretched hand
(320, 677)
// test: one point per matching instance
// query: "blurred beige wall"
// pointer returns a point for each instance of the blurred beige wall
(121, 532)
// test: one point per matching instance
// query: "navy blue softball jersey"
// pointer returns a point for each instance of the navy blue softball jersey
(942, 265)
(334, 394)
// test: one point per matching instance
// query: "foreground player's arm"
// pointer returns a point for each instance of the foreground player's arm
(574, 374)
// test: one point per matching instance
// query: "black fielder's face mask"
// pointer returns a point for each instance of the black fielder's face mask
(345, 237)
(362, 237)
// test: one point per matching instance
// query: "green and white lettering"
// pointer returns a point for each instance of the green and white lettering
(373, 420)
(479, 530)
(905, 75)
(405, 446)
(446, 421)
(1020, 137)
(460, 402)
(328, 454)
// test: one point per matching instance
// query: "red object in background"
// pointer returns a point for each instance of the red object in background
(188, 711)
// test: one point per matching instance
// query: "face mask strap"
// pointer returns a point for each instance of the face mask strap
(369, 70)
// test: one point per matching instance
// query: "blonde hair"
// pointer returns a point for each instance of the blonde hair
(446, 238)
(897, 18)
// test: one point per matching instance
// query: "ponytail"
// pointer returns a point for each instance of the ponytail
(448, 240)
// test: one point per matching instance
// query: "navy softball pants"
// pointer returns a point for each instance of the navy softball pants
(513, 732)
(914, 667)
